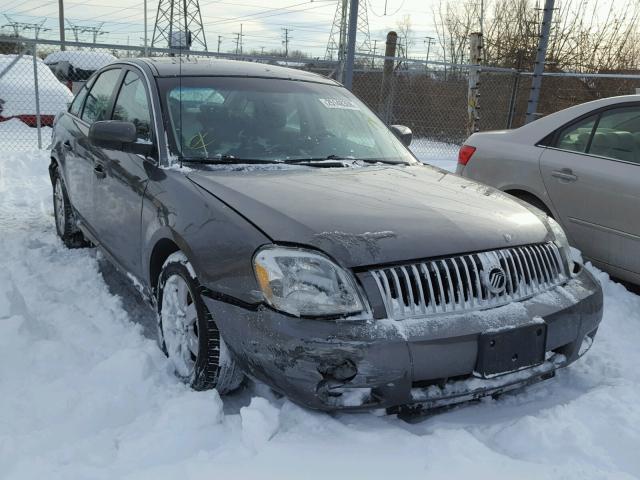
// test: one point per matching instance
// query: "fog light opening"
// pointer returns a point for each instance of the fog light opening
(342, 372)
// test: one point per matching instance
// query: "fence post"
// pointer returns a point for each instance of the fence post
(541, 55)
(473, 94)
(387, 90)
(514, 90)
(37, 92)
(351, 44)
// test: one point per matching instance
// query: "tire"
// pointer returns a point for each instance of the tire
(187, 332)
(66, 227)
(534, 201)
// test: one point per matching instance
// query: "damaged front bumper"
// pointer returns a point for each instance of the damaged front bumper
(423, 363)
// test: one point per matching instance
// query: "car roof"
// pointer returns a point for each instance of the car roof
(174, 66)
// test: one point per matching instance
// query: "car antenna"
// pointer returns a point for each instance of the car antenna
(180, 102)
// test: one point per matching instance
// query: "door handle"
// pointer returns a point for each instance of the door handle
(565, 174)
(99, 170)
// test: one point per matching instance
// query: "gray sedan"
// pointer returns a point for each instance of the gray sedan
(281, 231)
(581, 166)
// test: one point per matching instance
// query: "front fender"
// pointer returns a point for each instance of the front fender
(218, 241)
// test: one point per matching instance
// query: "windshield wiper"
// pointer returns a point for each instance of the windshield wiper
(316, 159)
(226, 160)
(339, 158)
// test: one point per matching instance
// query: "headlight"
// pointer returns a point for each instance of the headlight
(305, 283)
(561, 241)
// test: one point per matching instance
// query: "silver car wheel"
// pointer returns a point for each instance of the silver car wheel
(58, 202)
(180, 325)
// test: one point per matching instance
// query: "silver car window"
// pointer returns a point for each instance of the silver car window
(617, 135)
(575, 137)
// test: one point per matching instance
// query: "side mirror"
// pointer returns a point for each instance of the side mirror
(404, 134)
(118, 135)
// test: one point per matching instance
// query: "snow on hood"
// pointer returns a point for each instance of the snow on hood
(81, 59)
(17, 90)
(377, 214)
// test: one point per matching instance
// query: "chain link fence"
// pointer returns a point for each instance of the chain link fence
(37, 81)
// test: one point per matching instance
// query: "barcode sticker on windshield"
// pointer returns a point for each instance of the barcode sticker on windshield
(339, 103)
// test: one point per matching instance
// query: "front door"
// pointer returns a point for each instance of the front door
(592, 174)
(118, 194)
(97, 106)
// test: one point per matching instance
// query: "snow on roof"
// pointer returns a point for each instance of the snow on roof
(17, 88)
(81, 59)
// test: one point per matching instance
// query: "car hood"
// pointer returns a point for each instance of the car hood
(376, 214)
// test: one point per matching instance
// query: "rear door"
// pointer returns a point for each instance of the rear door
(118, 193)
(592, 174)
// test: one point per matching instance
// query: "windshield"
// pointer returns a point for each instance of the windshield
(272, 120)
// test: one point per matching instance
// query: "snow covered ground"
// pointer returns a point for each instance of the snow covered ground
(85, 393)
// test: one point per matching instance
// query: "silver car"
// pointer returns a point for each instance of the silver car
(582, 167)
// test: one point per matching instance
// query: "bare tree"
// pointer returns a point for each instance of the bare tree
(404, 31)
(586, 37)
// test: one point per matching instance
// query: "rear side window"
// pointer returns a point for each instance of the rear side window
(132, 105)
(618, 135)
(99, 97)
(575, 137)
(76, 105)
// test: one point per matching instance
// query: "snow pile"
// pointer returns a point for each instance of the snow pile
(17, 89)
(16, 135)
(260, 422)
(85, 394)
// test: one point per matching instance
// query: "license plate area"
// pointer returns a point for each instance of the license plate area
(509, 350)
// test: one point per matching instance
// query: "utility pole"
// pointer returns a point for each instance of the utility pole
(239, 41)
(75, 29)
(179, 25)
(219, 42)
(373, 58)
(146, 48)
(541, 55)
(19, 27)
(428, 41)
(351, 44)
(473, 95)
(261, 50)
(387, 90)
(285, 42)
(94, 31)
(61, 23)
(338, 36)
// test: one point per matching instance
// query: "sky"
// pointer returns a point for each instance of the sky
(309, 21)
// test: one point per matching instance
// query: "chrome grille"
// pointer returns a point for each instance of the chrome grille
(469, 282)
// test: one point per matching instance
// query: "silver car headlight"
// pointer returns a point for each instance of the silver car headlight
(561, 241)
(305, 283)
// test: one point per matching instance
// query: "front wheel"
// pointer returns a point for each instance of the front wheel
(188, 333)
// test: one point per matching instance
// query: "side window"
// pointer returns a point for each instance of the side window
(618, 135)
(76, 105)
(575, 137)
(95, 107)
(132, 105)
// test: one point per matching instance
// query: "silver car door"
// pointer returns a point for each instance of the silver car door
(595, 187)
